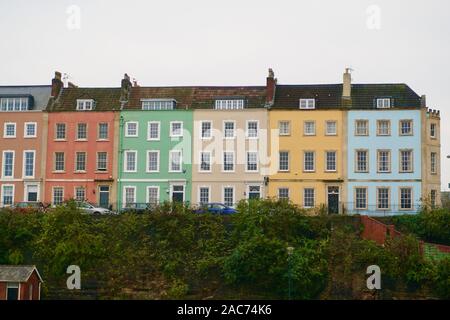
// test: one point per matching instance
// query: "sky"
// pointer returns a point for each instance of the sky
(199, 42)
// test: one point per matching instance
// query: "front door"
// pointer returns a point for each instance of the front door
(254, 192)
(333, 200)
(177, 193)
(104, 196)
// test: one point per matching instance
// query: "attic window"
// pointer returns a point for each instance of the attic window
(383, 103)
(307, 103)
(85, 104)
(158, 104)
(14, 104)
(229, 104)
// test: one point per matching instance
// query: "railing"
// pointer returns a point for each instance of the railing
(374, 210)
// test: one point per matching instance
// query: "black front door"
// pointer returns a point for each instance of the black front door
(333, 200)
(177, 193)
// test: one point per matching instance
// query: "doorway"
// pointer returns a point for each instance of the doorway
(104, 196)
(177, 193)
(333, 200)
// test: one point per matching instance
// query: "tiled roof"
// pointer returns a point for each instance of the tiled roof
(198, 97)
(106, 99)
(10, 273)
(330, 95)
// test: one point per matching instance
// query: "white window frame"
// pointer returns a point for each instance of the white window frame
(254, 185)
(147, 166)
(85, 162)
(54, 161)
(127, 135)
(210, 129)
(247, 163)
(107, 131)
(288, 193)
(200, 161)
(24, 176)
(199, 194)
(5, 131)
(379, 122)
(356, 169)
(388, 198)
(158, 104)
(304, 197)
(366, 191)
(305, 123)
(389, 160)
(400, 198)
(224, 129)
(309, 103)
(65, 131)
(53, 194)
(327, 133)
(147, 196)
(247, 122)
(149, 123)
(383, 103)
(288, 161)
(3, 193)
(96, 162)
(335, 160)
(171, 129)
(433, 133)
(25, 133)
(26, 193)
(75, 189)
(4, 163)
(124, 195)
(125, 161)
(411, 151)
(411, 127)
(78, 131)
(81, 104)
(223, 160)
(229, 104)
(288, 133)
(367, 127)
(171, 152)
(234, 195)
(304, 161)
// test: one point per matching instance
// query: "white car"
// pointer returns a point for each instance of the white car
(87, 207)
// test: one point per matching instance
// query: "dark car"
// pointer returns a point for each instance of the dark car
(216, 208)
(136, 208)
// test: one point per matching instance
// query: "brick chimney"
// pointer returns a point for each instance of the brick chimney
(271, 85)
(423, 101)
(347, 85)
(57, 84)
(125, 90)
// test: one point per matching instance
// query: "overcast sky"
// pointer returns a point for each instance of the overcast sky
(200, 42)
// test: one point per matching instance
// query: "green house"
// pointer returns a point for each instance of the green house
(155, 147)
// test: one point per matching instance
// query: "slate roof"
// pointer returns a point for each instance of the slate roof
(106, 99)
(202, 97)
(9, 273)
(40, 94)
(363, 96)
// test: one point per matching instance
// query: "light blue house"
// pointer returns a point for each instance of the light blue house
(384, 158)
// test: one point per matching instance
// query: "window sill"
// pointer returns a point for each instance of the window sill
(102, 140)
(101, 171)
(30, 137)
(59, 171)
(60, 140)
(80, 172)
(81, 140)
(9, 137)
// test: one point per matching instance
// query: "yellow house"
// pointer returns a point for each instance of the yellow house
(307, 141)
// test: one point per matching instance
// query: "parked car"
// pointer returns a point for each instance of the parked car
(216, 208)
(89, 208)
(137, 208)
(38, 206)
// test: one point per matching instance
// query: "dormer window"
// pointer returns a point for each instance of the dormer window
(383, 103)
(14, 103)
(158, 104)
(229, 104)
(307, 103)
(85, 104)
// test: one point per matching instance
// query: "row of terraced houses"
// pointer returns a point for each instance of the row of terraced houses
(366, 148)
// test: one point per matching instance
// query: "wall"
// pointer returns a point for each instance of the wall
(394, 142)
(296, 143)
(141, 179)
(240, 178)
(19, 144)
(70, 179)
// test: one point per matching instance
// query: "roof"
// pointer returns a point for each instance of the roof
(330, 95)
(106, 99)
(10, 273)
(198, 97)
(40, 94)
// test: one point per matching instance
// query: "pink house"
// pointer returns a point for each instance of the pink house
(81, 148)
